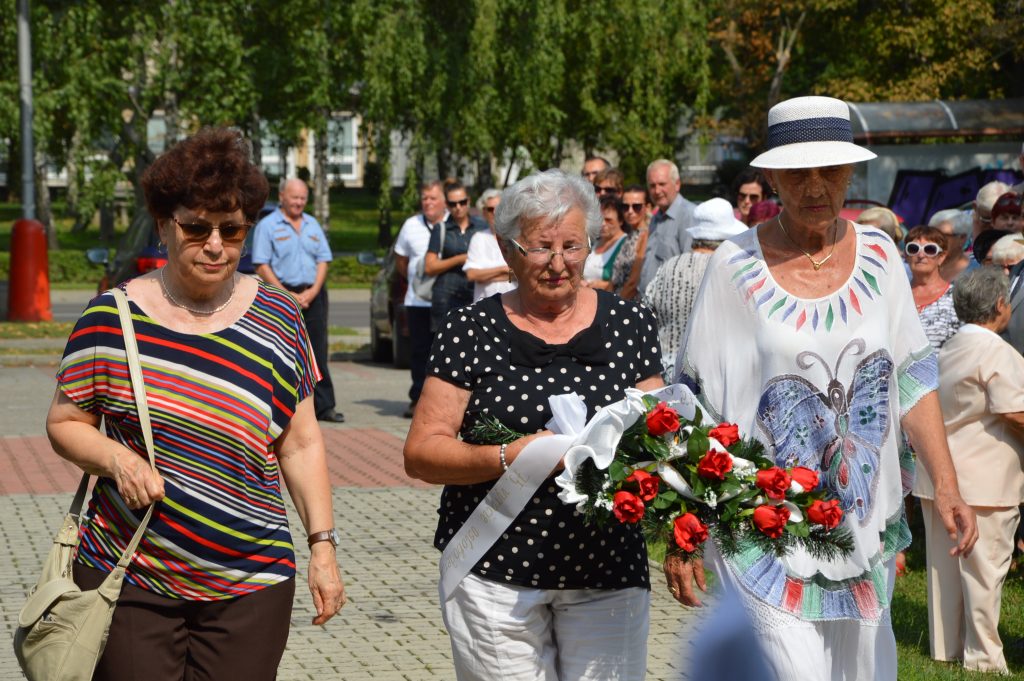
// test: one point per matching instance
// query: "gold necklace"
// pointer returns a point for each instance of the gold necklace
(816, 263)
(202, 313)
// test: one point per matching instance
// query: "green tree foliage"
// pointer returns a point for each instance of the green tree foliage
(469, 85)
(861, 50)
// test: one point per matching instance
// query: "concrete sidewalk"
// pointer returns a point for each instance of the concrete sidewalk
(391, 628)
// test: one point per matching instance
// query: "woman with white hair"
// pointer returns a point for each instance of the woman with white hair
(674, 288)
(485, 266)
(805, 335)
(981, 390)
(547, 597)
(956, 226)
(1007, 252)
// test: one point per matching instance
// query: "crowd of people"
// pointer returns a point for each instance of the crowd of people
(853, 348)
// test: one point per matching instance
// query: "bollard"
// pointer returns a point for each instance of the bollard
(28, 291)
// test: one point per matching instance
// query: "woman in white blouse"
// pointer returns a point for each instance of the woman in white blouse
(981, 390)
(485, 266)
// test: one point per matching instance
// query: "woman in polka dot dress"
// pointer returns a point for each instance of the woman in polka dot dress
(553, 598)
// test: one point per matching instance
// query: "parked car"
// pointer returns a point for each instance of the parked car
(139, 251)
(389, 327)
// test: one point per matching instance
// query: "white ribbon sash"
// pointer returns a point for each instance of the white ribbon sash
(576, 440)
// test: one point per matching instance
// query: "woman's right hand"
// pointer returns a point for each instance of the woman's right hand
(138, 484)
(513, 450)
(681, 575)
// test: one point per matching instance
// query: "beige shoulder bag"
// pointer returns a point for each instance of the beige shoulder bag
(62, 630)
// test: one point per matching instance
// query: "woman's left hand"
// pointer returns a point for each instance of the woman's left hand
(325, 582)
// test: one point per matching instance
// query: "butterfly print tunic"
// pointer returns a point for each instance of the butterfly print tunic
(823, 383)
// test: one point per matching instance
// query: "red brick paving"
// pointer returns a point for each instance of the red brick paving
(356, 457)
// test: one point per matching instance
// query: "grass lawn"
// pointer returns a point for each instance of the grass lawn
(910, 620)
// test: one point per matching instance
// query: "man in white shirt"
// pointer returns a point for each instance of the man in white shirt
(410, 249)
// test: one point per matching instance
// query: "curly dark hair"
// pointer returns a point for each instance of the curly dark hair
(212, 170)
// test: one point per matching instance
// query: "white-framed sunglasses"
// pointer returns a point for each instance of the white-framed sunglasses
(931, 250)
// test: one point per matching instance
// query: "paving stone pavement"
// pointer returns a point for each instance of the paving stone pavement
(391, 628)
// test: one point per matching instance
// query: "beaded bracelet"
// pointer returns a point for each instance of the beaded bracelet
(501, 455)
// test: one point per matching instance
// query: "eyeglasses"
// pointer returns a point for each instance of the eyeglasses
(635, 207)
(913, 248)
(200, 233)
(606, 190)
(463, 202)
(542, 256)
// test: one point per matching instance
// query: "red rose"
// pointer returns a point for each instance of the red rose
(771, 519)
(804, 477)
(774, 481)
(726, 433)
(628, 507)
(690, 532)
(662, 419)
(647, 483)
(826, 513)
(714, 465)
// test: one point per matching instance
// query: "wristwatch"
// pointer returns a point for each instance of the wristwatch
(330, 535)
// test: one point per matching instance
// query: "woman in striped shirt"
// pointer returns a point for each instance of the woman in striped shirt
(229, 376)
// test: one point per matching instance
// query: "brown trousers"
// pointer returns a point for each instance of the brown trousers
(155, 638)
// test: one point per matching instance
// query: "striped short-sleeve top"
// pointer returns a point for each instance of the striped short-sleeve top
(218, 402)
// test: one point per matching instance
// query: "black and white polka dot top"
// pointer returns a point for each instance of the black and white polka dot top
(510, 375)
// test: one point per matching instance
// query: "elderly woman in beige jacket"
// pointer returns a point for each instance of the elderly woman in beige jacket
(981, 390)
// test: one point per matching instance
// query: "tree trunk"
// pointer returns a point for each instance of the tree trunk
(282, 152)
(484, 175)
(44, 209)
(256, 140)
(107, 234)
(322, 186)
(383, 151)
(76, 178)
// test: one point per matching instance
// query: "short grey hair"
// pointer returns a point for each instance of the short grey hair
(976, 293)
(988, 195)
(284, 183)
(960, 221)
(673, 169)
(546, 196)
(1009, 248)
(488, 194)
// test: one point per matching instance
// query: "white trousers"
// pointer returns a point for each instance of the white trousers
(501, 632)
(801, 650)
(965, 594)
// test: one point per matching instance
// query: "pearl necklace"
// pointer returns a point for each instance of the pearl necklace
(202, 313)
(816, 263)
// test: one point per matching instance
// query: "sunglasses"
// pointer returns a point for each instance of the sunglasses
(463, 202)
(194, 231)
(606, 190)
(635, 207)
(913, 248)
(488, 209)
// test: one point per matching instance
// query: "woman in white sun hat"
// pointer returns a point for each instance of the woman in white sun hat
(805, 335)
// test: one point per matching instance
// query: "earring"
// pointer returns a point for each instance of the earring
(511, 276)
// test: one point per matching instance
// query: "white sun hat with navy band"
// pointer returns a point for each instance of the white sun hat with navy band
(810, 132)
